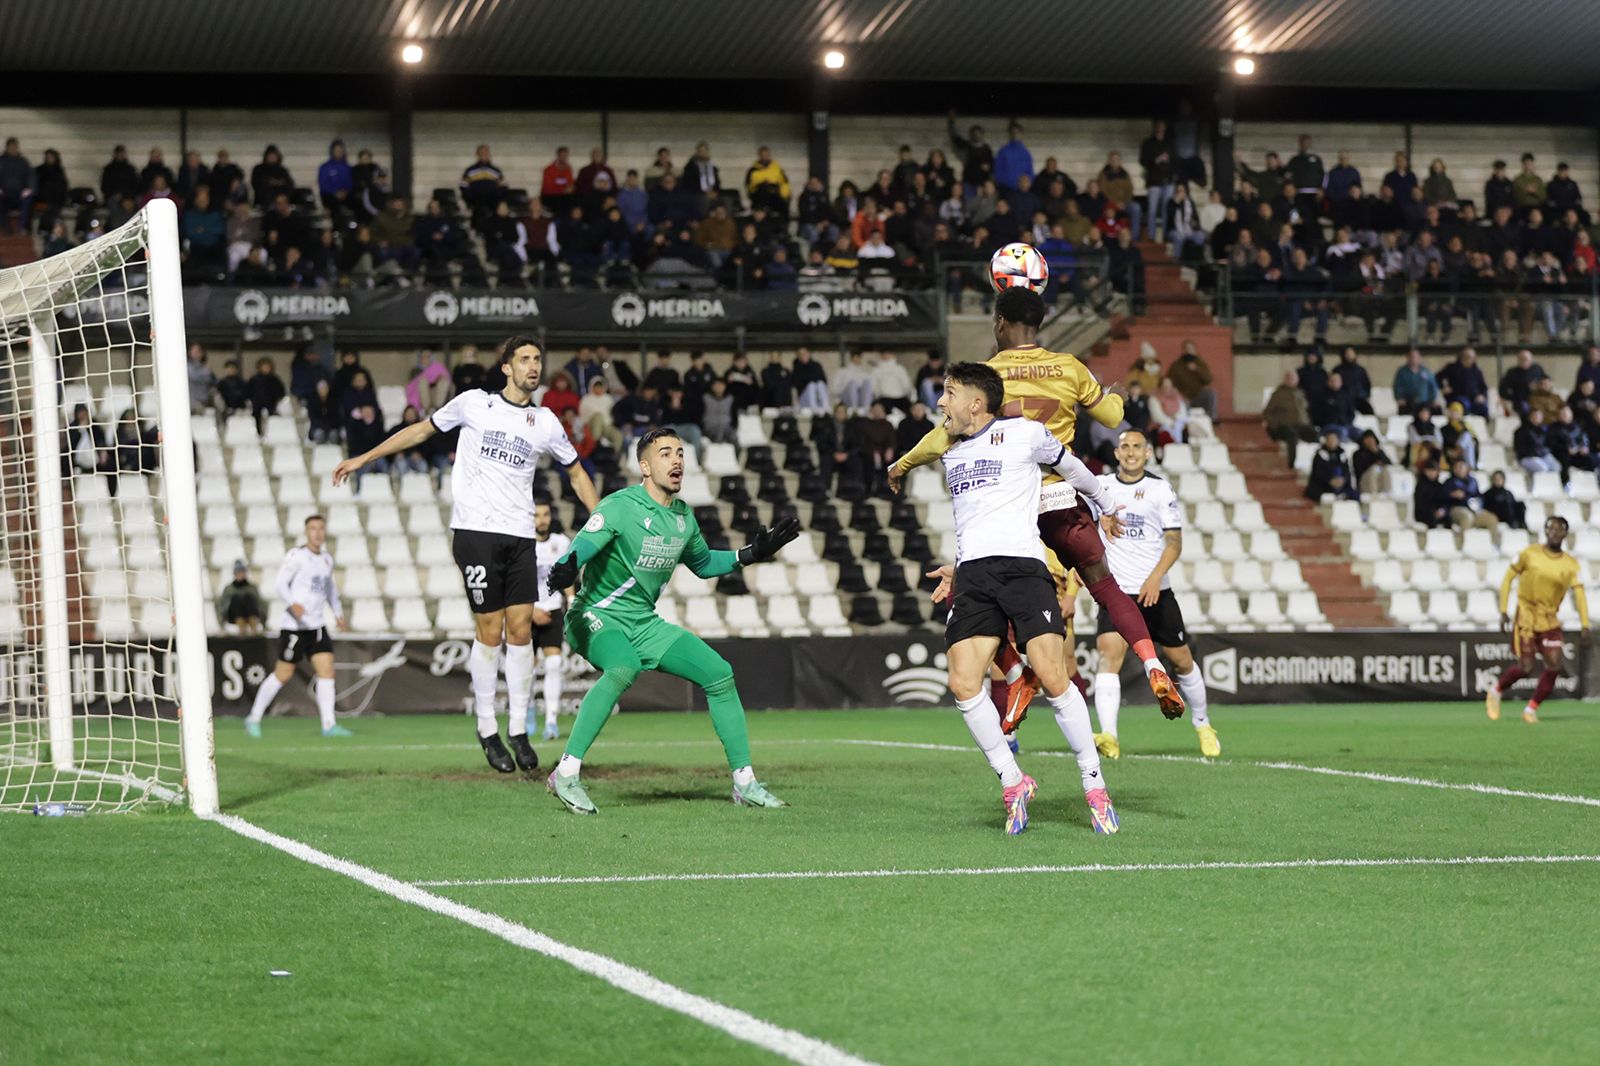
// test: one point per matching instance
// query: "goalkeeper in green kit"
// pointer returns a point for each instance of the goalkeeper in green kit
(628, 551)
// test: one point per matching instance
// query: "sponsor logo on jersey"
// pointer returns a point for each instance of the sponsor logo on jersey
(506, 449)
(914, 679)
(659, 553)
(963, 477)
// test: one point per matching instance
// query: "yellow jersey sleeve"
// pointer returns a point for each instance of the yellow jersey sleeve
(1543, 581)
(933, 444)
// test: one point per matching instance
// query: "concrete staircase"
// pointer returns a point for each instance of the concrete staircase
(1173, 314)
(1306, 538)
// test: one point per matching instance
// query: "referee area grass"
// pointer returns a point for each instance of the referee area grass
(906, 933)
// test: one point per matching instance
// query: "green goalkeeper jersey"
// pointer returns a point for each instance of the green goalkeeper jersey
(631, 545)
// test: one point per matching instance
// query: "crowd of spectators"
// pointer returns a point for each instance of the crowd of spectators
(1303, 241)
(1555, 433)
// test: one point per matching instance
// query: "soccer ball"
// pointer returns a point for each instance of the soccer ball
(1019, 264)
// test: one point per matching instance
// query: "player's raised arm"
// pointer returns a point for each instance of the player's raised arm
(1105, 405)
(583, 485)
(395, 443)
(933, 444)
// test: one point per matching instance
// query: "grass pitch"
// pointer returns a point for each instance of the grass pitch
(151, 937)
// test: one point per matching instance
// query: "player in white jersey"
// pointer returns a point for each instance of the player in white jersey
(1001, 580)
(503, 436)
(549, 613)
(1140, 560)
(310, 599)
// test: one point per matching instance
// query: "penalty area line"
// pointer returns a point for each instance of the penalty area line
(794, 1046)
(1327, 771)
(990, 871)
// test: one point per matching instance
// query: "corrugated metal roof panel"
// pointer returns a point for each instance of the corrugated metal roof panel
(1544, 44)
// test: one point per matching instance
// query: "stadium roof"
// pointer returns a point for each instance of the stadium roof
(1469, 44)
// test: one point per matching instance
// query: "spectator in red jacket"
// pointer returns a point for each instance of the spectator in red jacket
(560, 397)
(557, 189)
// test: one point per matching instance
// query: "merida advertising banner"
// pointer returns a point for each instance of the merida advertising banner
(403, 676)
(420, 312)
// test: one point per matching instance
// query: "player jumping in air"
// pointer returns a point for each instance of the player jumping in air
(1047, 387)
(1151, 542)
(311, 600)
(549, 611)
(1543, 573)
(503, 436)
(628, 551)
(1002, 583)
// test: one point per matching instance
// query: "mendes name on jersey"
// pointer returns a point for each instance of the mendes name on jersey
(641, 544)
(491, 483)
(1149, 509)
(994, 480)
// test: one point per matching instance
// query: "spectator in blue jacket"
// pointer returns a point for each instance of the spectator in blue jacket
(334, 180)
(1342, 178)
(1463, 382)
(205, 239)
(1012, 160)
(1414, 385)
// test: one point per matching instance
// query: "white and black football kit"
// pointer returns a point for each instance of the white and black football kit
(491, 517)
(548, 552)
(306, 578)
(1001, 579)
(1150, 509)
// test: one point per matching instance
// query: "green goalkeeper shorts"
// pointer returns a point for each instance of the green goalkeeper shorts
(650, 636)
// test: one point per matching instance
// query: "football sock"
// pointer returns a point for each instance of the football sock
(1108, 701)
(1193, 687)
(270, 685)
(1127, 620)
(743, 776)
(1512, 675)
(1072, 715)
(1546, 685)
(325, 702)
(552, 688)
(569, 766)
(983, 722)
(519, 687)
(483, 667)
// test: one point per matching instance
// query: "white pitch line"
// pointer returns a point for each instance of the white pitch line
(1365, 775)
(983, 871)
(794, 1046)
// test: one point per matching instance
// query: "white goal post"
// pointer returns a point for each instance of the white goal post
(105, 685)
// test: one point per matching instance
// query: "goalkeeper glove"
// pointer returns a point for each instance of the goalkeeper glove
(767, 542)
(564, 573)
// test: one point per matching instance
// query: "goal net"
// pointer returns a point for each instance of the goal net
(105, 683)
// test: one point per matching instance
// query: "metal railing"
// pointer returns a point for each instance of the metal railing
(1414, 314)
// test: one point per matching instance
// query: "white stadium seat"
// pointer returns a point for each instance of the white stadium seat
(1228, 546)
(442, 582)
(1403, 544)
(1478, 544)
(352, 551)
(263, 522)
(281, 430)
(1384, 515)
(1266, 546)
(383, 520)
(700, 616)
(1425, 575)
(1248, 576)
(1210, 517)
(344, 522)
(285, 460)
(1231, 487)
(1444, 608)
(433, 549)
(248, 462)
(393, 552)
(1264, 609)
(1211, 579)
(783, 614)
(769, 580)
(1483, 607)
(1387, 574)
(744, 617)
(826, 616)
(1303, 608)
(295, 492)
(1285, 575)
(253, 492)
(423, 519)
(721, 461)
(454, 616)
(1248, 517)
(1223, 609)
(411, 615)
(1439, 543)
(685, 586)
(220, 522)
(1345, 516)
(368, 616)
(239, 431)
(359, 583)
(816, 581)
(1405, 607)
